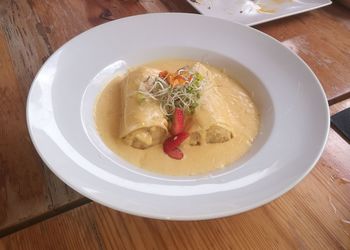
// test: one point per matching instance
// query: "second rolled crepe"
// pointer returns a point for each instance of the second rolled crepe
(143, 122)
(212, 121)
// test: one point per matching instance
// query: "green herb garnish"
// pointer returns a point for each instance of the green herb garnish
(184, 96)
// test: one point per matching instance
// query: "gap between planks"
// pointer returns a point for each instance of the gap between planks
(35, 220)
(338, 99)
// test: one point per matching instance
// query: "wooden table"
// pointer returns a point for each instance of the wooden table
(38, 211)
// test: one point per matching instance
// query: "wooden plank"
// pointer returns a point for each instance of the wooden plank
(28, 188)
(178, 6)
(313, 215)
(319, 38)
(154, 6)
(22, 178)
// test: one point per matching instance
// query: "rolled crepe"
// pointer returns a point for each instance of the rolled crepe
(143, 123)
(212, 120)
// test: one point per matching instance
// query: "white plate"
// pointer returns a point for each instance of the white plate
(293, 107)
(252, 12)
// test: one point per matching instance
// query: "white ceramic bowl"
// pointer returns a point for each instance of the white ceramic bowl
(293, 107)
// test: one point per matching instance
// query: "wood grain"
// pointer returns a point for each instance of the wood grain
(28, 188)
(313, 215)
(321, 38)
(21, 176)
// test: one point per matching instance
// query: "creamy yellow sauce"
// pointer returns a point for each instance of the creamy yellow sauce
(197, 159)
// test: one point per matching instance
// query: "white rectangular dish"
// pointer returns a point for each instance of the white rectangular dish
(252, 12)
